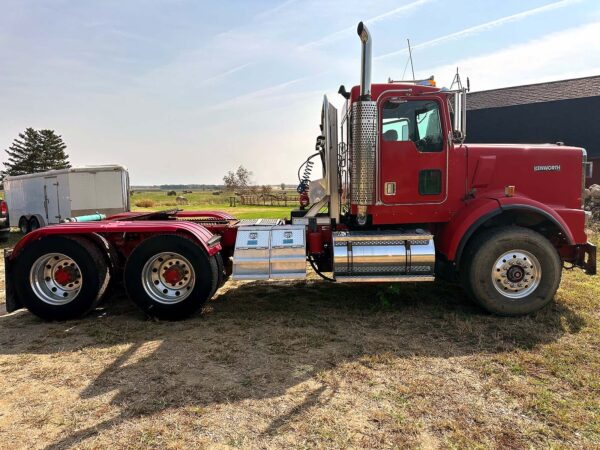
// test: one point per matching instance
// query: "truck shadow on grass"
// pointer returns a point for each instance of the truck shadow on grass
(258, 340)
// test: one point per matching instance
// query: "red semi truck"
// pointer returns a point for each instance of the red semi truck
(402, 198)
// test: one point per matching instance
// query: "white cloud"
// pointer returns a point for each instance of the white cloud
(470, 31)
(571, 53)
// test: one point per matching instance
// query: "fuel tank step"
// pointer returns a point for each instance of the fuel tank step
(383, 256)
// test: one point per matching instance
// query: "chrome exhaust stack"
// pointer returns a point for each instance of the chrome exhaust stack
(365, 61)
(364, 132)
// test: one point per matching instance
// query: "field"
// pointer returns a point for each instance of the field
(290, 364)
(206, 200)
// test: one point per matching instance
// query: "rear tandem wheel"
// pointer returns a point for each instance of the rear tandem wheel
(170, 277)
(59, 278)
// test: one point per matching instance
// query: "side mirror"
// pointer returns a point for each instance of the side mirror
(459, 106)
(457, 137)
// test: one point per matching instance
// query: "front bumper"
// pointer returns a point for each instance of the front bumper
(585, 257)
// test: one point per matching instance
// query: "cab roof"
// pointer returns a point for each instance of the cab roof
(378, 88)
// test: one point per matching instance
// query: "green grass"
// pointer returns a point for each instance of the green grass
(200, 200)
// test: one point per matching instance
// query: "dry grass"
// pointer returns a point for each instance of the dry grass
(274, 365)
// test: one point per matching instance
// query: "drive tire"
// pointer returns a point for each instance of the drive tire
(150, 259)
(511, 261)
(92, 267)
(24, 225)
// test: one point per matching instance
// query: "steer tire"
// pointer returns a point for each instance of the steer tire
(489, 260)
(144, 286)
(94, 272)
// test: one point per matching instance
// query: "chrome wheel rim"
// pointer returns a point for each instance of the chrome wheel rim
(55, 279)
(516, 274)
(168, 278)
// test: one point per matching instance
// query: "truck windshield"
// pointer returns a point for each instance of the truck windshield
(417, 121)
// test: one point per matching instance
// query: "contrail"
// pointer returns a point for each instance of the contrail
(275, 9)
(227, 72)
(484, 26)
(401, 10)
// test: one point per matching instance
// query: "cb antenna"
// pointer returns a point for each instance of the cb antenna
(410, 58)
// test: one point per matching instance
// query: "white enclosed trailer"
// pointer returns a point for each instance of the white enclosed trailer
(39, 199)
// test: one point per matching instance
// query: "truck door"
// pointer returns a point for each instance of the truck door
(413, 154)
(51, 200)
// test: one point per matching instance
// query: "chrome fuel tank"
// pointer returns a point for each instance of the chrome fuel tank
(383, 256)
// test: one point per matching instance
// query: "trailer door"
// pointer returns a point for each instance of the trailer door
(52, 200)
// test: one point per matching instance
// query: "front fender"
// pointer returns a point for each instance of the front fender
(455, 233)
(573, 227)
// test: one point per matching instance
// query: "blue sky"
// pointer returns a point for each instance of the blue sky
(182, 91)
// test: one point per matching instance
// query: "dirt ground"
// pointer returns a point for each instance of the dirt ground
(278, 365)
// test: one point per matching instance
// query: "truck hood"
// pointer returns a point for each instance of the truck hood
(549, 173)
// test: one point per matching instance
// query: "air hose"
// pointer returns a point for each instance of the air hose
(305, 178)
(314, 266)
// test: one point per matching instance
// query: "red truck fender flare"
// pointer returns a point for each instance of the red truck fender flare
(209, 241)
(527, 204)
(453, 238)
(464, 224)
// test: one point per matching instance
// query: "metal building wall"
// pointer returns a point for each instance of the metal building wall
(575, 122)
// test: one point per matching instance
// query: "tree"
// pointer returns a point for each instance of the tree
(282, 186)
(240, 179)
(53, 151)
(36, 151)
(243, 176)
(266, 189)
(230, 181)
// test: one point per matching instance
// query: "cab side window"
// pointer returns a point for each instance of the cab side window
(417, 121)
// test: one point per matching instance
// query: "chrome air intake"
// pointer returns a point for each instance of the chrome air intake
(364, 134)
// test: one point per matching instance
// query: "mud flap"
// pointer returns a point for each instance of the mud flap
(586, 258)
(12, 301)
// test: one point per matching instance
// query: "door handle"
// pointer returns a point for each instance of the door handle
(390, 188)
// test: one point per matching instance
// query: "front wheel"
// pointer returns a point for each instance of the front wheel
(511, 271)
(170, 277)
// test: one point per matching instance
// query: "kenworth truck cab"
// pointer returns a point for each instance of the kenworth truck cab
(402, 199)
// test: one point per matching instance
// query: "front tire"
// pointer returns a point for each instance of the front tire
(60, 278)
(511, 271)
(170, 277)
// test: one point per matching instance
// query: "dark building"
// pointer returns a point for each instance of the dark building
(565, 111)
